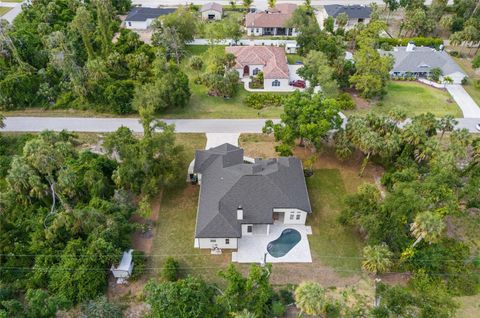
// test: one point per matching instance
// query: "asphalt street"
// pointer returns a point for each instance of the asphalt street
(77, 124)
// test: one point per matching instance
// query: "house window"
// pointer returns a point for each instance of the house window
(292, 216)
(276, 83)
(213, 241)
(255, 71)
(211, 16)
(298, 216)
(257, 30)
(249, 228)
(129, 23)
(227, 241)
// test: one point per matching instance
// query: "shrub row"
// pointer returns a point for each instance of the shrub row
(262, 100)
(418, 41)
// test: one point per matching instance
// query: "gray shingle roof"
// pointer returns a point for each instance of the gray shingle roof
(144, 13)
(422, 59)
(228, 182)
(212, 6)
(353, 11)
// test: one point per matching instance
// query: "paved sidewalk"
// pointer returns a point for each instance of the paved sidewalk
(12, 14)
(468, 106)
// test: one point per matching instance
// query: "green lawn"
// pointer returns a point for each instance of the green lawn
(333, 244)
(473, 92)
(293, 58)
(415, 98)
(4, 10)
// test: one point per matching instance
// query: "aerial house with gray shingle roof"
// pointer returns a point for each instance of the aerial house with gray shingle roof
(239, 199)
(356, 14)
(416, 61)
(140, 18)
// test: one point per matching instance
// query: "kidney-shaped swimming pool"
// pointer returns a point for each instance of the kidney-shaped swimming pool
(284, 243)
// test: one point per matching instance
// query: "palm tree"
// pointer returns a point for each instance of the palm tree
(271, 3)
(427, 226)
(377, 259)
(446, 123)
(310, 298)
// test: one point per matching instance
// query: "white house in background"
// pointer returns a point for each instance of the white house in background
(271, 60)
(140, 18)
(243, 200)
(124, 269)
(271, 21)
(211, 11)
(416, 61)
(356, 14)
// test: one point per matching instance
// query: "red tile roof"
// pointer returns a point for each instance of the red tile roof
(272, 18)
(272, 58)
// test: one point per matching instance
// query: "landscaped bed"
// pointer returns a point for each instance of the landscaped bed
(415, 98)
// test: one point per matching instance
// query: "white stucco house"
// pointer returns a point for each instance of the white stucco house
(240, 200)
(356, 14)
(271, 21)
(140, 18)
(416, 61)
(211, 11)
(271, 60)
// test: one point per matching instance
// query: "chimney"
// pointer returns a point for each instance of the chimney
(239, 213)
(410, 47)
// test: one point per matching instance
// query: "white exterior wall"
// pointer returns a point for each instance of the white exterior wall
(293, 212)
(244, 229)
(137, 25)
(259, 31)
(205, 14)
(267, 84)
(219, 242)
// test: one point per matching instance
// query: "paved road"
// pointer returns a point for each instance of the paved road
(12, 14)
(230, 126)
(35, 124)
(468, 106)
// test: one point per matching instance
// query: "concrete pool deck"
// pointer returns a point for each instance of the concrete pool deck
(252, 248)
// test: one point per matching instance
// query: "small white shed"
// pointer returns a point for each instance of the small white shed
(124, 270)
(211, 11)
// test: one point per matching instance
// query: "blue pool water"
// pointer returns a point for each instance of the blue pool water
(284, 243)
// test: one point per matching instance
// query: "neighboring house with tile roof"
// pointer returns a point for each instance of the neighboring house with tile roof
(239, 198)
(356, 14)
(271, 21)
(419, 61)
(211, 11)
(271, 60)
(140, 18)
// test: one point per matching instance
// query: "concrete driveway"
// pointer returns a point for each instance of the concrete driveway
(468, 106)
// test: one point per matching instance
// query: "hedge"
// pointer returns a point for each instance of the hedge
(262, 100)
(419, 41)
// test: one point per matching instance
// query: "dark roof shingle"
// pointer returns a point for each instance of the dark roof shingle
(353, 11)
(144, 13)
(259, 188)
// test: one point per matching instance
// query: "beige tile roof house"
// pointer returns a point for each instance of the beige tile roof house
(271, 21)
(272, 58)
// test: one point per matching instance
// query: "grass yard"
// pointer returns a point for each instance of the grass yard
(4, 10)
(415, 98)
(473, 92)
(293, 58)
